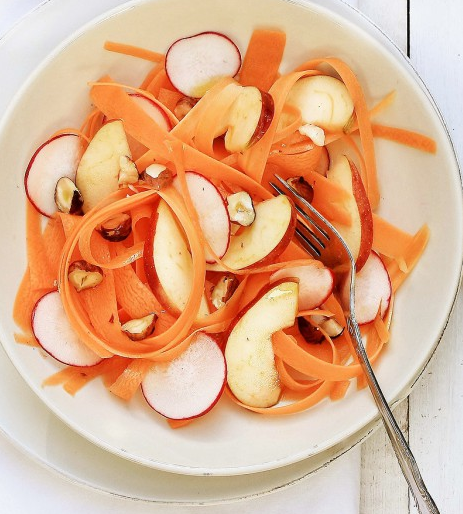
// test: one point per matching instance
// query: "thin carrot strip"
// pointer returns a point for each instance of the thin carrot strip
(133, 51)
(130, 379)
(262, 59)
(405, 137)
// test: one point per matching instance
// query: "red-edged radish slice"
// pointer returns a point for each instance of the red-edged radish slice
(190, 385)
(153, 110)
(58, 157)
(55, 335)
(315, 283)
(195, 63)
(373, 290)
(212, 212)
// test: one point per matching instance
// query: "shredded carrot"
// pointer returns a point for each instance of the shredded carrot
(133, 51)
(263, 57)
(405, 137)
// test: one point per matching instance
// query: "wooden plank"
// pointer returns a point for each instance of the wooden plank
(436, 413)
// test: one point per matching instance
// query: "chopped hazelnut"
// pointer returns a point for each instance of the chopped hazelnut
(316, 134)
(309, 332)
(241, 208)
(116, 228)
(140, 328)
(83, 275)
(67, 197)
(302, 187)
(128, 172)
(184, 106)
(224, 290)
(157, 176)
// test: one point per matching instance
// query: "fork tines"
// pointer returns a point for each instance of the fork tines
(309, 231)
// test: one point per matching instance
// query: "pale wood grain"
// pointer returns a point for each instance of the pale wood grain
(436, 404)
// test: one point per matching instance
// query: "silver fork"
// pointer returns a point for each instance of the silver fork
(315, 234)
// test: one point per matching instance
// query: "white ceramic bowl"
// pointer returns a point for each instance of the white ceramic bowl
(416, 188)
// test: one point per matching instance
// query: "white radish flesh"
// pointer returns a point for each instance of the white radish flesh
(195, 63)
(315, 283)
(372, 290)
(55, 334)
(56, 158)
(212, 212)
(191, 384)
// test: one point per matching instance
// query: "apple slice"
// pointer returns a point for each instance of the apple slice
(212, 212)
(194, 64)
(98, 173)
(251, 372)
(316, 283)
(190, 385)
(373, 290)
(359, 235)
(324, 101)
(56, 158)
(168, 263)
(264, 240)
(249, 118)
(153, 110)
(55, 335)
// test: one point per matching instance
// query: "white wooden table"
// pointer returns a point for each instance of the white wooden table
(432, 417)
(429, 32)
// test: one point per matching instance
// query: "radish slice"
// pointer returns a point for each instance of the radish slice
(153, 110)
(315, 284)
(373, 290)
(58, 157)
(212, 212)
(55, 334)
(191, 384)
(195, 63)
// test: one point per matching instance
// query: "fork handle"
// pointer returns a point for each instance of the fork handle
(407, 461)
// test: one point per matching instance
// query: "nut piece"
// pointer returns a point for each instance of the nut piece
(157, 176)
(183, 107)
(140, 328)
(316, 134)
(116, 228)
(67, 197)
(224, 290)
(128, 172)
(328, 325)
(241, 208)
(302, 187)
(309, 332)
(83, 275)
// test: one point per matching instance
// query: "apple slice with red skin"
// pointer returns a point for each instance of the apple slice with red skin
(98, 173)
(212, 212)
(316, 283)
(359, 235)
(55, 334)
(168, 263)
(248, 119)
(251, 371)
(373, 290)
(190, 385)
(153, 110)
(195, 63)
(266, 239)
(56, 158)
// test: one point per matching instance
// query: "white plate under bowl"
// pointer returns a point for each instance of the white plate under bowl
(416, 188)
